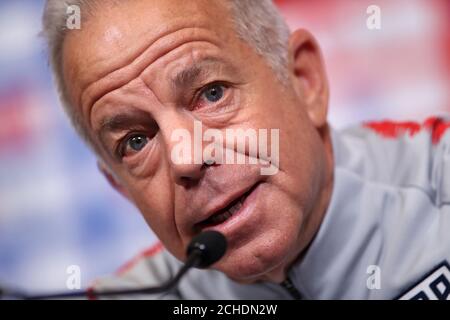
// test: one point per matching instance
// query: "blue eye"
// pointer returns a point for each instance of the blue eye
(214, 93)
(137, 142)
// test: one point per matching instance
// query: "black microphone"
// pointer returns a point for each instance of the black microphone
(204, 250)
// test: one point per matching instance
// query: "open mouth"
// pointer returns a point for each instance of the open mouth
(226, 213)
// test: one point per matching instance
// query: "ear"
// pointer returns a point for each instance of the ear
(112, 180)
(308, 76)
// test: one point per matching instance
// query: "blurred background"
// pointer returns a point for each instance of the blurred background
(56, 210)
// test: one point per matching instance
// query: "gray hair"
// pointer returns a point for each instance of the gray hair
(257, 22)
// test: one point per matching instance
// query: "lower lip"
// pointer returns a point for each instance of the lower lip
(238, 219)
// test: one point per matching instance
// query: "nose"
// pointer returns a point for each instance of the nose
(184, 150)
(187, 174)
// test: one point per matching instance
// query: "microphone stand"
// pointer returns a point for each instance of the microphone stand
(193, 260)
(204, 250)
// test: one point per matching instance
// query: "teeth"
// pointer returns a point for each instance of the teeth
(219, 218)
(235, 208)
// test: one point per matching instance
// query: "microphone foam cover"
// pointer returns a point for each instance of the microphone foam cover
(211, 245)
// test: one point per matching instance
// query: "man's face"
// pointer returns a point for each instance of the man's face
(139, 71)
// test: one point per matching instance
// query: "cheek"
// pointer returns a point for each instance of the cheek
(302, 163)
(155, 200)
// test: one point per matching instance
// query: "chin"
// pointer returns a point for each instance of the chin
(262, 259)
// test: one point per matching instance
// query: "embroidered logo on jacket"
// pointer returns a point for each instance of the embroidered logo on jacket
(434, 286)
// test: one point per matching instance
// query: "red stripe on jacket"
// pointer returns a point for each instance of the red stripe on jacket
(391, 129)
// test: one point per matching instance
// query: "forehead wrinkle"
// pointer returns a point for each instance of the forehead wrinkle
(115, 79)
(123, 101)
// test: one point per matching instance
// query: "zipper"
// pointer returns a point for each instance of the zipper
(288, 285)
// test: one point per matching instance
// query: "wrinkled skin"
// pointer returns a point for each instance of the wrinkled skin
(124, 61)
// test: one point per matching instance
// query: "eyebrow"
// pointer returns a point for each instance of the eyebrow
(192, 73)
(123, 121)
